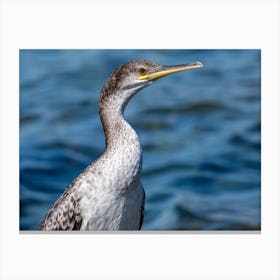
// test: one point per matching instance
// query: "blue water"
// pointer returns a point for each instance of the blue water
(200, 134)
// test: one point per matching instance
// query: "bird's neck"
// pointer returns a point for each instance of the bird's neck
(117, 131)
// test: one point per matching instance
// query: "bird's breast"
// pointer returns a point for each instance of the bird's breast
(125, 164)
(112, 185)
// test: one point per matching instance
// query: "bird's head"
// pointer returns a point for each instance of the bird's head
(131, 77)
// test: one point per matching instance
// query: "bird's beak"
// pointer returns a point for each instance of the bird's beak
(167, 70)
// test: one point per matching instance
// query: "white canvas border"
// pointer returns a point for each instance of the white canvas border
(139, 24)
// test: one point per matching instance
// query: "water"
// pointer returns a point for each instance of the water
(200, 133)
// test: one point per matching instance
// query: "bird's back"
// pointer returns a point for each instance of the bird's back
(65, 214)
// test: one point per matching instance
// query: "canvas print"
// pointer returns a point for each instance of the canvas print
(140, 140)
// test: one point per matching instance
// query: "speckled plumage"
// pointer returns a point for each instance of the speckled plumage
(108, 194)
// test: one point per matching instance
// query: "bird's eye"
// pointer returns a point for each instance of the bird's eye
(142, 71)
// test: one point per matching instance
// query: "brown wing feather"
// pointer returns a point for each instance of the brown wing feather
(65, 213)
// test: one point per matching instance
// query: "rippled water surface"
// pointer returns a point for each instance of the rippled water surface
(200, 134)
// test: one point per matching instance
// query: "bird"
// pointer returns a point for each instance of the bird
(108, 194)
